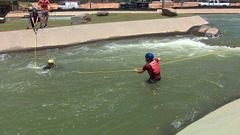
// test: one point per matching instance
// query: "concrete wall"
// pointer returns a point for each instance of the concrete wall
(72, 35)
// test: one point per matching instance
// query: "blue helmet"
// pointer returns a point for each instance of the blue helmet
(34, 9)
(149, 56)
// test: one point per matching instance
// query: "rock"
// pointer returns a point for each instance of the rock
(2, 20)
(212, 32)
(169, 12)
(81, 19)
(205, 30)
(194, 31)
(102, 13)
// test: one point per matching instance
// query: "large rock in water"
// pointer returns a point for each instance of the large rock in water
(205, 30)
(81, 19)
(2, 20)
(102, 13)
(169, 12)
(212, 32)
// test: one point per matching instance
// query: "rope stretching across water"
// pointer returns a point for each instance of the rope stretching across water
(112, 71)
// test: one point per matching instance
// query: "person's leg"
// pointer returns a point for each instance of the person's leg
(151, 80)
(42, 19)
(47, 15)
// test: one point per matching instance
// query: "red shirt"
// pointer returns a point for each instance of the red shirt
(150, 71)
(44, 4)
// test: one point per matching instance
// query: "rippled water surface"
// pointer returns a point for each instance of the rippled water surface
(64, 102)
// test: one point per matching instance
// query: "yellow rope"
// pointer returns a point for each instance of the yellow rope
(162, 63)
(35, 49)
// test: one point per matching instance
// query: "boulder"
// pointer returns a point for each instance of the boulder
(194, 31)
(81, 19)
(169, 12)
(102, 13)
(205, 30)
(212, 32)
(2, 20)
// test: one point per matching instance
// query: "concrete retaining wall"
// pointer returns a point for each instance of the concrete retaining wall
(63, 36)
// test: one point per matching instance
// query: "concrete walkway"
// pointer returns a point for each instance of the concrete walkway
(223, 121)
(72, 35)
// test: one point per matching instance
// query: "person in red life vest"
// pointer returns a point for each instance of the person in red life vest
(152, 68)
(34, 18)
(44, 6)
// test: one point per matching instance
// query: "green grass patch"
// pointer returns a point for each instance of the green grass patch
(26, 3)
(12, 25)
(118, 17)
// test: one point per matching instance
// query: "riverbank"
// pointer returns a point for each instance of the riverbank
(79, 34)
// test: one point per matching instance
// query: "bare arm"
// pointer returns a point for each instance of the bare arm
(139, 71)
(49, 4)
(39, 2)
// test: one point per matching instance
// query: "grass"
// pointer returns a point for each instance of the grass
(12, 25)
(26, 3)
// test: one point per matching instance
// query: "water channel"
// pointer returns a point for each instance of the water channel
(64, 102)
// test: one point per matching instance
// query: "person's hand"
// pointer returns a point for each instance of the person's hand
(136, 70)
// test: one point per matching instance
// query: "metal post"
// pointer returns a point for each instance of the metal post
(181, 4)
(90, 4)
(163, 4)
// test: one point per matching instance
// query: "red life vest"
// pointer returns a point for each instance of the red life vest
(155, 67)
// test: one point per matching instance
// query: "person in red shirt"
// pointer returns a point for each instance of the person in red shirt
(152, 68)
(44, 6)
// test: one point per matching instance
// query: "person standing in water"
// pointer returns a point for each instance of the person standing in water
(152, 68)
(50, 64)
(44, 7)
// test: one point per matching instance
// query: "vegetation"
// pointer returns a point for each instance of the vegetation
(26, 3)
(11, 25)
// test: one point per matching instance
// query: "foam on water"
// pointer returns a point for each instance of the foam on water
(4, 57)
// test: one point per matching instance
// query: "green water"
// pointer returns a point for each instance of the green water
(64, 102)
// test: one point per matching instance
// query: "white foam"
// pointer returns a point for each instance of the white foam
(3, 57)
(31, 65)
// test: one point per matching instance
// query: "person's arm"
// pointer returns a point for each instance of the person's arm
(39, 2)
(49, 3)
(37, 18)
(159, 59)
(33, 21)
(139, 71)
(36, 22)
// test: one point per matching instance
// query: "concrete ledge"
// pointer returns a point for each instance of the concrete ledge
(78, 34)
(223, 121)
